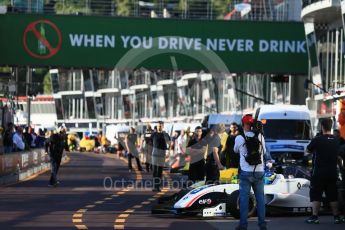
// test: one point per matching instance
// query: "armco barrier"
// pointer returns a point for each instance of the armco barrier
(21, 165)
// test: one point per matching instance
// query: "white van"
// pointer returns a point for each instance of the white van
(115, 133)
(287, 130)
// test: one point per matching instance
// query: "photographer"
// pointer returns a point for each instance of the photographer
(252, 173)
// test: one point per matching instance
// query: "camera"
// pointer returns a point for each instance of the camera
(257, 127)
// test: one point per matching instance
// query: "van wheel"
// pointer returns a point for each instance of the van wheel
(233, 204)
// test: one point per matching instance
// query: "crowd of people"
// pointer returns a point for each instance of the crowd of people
(213, 150)
(208, 152)
(19, 138)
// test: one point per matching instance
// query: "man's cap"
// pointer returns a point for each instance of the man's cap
(247, 119)
(161, 122)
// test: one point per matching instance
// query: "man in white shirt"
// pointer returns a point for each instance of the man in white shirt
(251, 176)
(182, 143)
(18, 142)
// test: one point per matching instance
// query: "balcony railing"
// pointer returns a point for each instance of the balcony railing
(306, 3)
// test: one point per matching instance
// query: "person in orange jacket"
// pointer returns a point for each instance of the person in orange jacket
(341, 119)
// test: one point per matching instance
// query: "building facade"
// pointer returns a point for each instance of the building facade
(325, 35)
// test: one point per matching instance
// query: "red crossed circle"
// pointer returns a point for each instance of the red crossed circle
(31, 28)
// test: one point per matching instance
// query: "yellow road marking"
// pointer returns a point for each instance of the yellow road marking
(77, 215)
(82, 210)
(90, 206)
(120, 220)
(81, 226)
(156, 196)
(161, 193)
(129, 210)
(122, 217)
(152, 199)
(145, 202)
(77, 221)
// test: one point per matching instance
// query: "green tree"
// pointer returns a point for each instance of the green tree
(72, 7)
(209, 9)
(5, 2)
(124, 7)
(221, 8)
(5, 69)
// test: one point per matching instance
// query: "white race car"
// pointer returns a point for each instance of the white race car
(284, 195)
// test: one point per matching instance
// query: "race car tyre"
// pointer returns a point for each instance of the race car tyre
(233, 204)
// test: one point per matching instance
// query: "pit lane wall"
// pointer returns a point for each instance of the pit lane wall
(18, 166)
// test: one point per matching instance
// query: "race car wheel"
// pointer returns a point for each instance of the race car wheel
(233, 204)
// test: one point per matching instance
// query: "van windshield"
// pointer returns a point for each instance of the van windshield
(287, 129)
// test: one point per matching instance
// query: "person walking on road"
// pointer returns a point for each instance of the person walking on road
(131, 146)
(251, 176)
(196, 170)
(147, 147)
(160, 146)
(325, 150)
(213, 164)
(54, 147)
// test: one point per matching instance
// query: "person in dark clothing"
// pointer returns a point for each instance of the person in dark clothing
(27, 138)
(131, 146)
(54, 147)
(324, 175)
(148, 143)
(40, 139)
(97, 142)
(336, 133)
(7, 138)
(197, 162)
(160, 146)
(232, 159)
(213, 164)
(64, 135)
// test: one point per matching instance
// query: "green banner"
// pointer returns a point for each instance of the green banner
(107, 42)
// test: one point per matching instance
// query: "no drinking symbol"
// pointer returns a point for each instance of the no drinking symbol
(44, 48)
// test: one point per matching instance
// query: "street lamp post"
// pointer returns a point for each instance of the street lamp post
(133, 110)
(28, 86)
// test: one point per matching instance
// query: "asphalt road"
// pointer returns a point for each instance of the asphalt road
(98, 192)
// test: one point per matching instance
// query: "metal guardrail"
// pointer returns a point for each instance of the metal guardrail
(271, 10)
(20, 161)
